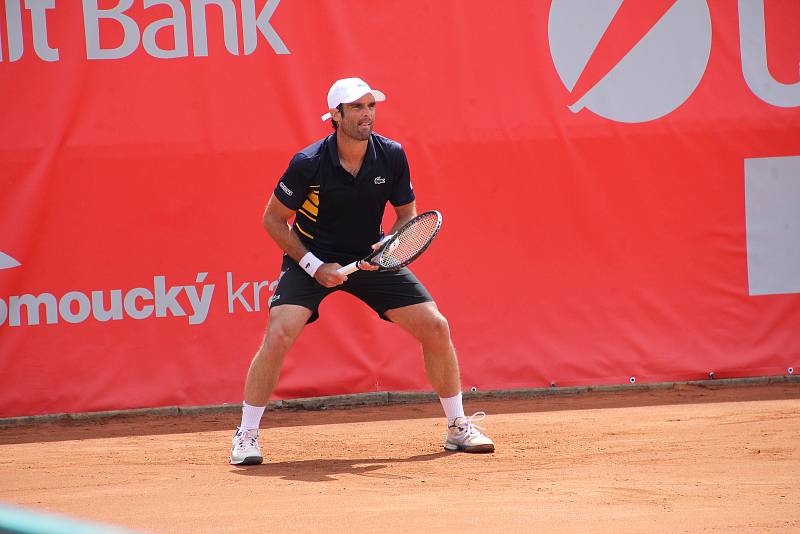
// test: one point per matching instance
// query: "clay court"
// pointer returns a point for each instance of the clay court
(690, 458)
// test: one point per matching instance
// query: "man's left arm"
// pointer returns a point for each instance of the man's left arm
(404, 213)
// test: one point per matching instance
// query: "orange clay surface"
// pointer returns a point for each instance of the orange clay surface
(687, 459)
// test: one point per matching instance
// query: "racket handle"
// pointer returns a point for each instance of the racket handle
(348, 269)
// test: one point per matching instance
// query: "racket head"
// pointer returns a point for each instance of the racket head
(408, 243)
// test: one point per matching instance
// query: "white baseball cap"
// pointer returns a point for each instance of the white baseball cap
(349, 90)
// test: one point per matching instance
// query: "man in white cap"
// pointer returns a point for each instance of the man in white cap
(336, 190)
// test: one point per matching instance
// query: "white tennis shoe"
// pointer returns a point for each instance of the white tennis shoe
(244, 448)
(465, 435)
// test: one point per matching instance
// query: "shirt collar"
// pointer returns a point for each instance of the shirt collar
(333, 150)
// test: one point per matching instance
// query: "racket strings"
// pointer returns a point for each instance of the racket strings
(410, 242)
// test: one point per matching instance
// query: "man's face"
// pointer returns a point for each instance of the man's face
(355, 120)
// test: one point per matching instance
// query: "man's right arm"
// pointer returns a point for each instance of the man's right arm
(276, 223)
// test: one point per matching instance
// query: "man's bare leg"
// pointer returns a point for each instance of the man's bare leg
(285, 324)
(426, 323)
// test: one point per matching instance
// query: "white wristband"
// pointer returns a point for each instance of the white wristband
(310, 264)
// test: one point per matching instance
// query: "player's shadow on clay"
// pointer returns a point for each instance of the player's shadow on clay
(326, 470)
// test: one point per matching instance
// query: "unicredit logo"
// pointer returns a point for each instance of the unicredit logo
(631, 61)
(638, 60)
(7, 262)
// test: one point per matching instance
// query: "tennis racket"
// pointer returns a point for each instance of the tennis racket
(407, 244)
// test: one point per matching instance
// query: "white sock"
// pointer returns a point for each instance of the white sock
(251, 416)
(453, 407)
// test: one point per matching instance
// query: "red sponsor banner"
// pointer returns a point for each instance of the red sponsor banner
(619, 183)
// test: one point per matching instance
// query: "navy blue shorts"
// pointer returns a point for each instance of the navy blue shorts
(380, 290)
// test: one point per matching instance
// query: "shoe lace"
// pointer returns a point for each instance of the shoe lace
(472, 428)
(247, 437)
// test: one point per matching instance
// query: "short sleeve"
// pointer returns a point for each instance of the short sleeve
(402, 190)
(292, 186)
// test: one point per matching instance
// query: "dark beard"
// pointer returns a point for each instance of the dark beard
(354, 132)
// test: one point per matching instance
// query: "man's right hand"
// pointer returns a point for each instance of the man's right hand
(328, 275)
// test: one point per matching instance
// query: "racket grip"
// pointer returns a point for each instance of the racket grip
(350, 268)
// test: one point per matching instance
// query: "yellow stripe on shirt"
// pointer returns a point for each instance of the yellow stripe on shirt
(304, 212)
(302, 231)
(310, 207)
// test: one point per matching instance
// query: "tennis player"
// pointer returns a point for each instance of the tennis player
(336, 190)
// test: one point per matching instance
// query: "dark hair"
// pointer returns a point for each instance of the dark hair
(340, 107)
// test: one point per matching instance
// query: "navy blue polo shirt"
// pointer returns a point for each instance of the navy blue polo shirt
(339, 216)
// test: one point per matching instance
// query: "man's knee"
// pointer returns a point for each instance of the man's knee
(280, 336)
(284, 327)
(434, 327)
